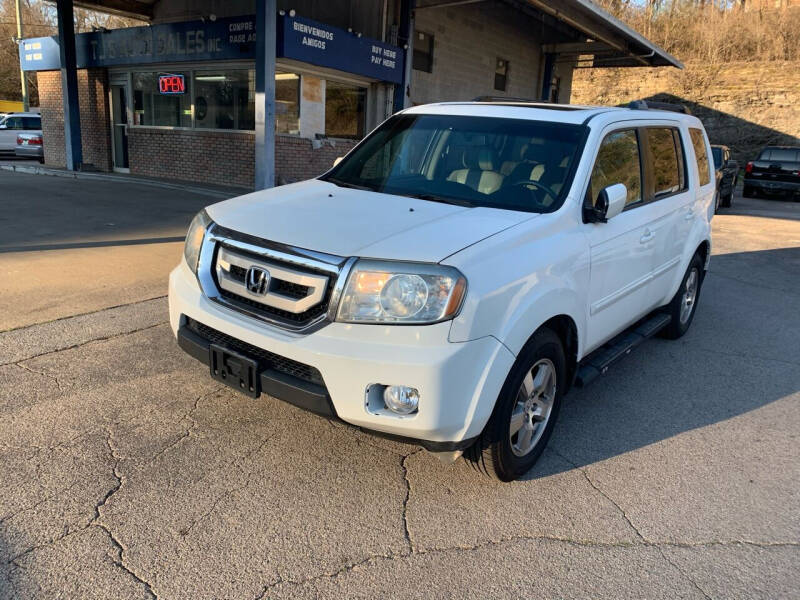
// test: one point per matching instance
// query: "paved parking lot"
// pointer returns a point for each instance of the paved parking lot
(128, 473)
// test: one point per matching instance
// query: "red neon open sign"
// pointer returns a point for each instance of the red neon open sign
(171, 84)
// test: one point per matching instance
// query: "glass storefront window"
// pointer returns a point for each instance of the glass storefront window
(344, 110)
(287, 103)
(224, 99)
(151, 107)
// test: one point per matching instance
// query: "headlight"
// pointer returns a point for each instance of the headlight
(391, 292)
(194, 239)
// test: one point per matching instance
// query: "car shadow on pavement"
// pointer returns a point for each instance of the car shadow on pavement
(739, 355)
(99, 244)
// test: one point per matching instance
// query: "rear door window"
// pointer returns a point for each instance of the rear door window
(700, 154)
(667, 161)
(618, 162)
(14, 123)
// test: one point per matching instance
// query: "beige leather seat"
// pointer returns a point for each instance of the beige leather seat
(508, 166)
(533, 164)
(479, 170)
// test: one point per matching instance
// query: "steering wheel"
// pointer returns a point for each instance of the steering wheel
(530, 184)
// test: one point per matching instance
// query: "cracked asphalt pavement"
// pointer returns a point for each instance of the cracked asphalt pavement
(128, 473)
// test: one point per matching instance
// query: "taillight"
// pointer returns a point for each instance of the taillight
(19, 141)
(37, 141)
(749, 167)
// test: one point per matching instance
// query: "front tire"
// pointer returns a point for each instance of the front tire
(526, 411)
(682, 307)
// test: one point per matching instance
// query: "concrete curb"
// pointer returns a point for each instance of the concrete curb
(37, 170)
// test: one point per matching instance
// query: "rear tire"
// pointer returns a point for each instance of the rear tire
(526, 411)
(682, 307)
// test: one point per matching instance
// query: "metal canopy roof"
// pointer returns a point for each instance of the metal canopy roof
(599, 40)
(613, 42)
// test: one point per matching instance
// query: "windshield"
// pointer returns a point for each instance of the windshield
(464, 160)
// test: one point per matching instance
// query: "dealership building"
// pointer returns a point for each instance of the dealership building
(253, 93)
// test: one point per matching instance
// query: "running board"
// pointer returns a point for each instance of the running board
(598, 362)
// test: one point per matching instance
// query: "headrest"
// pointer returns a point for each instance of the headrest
(536, 153)
(482, 158)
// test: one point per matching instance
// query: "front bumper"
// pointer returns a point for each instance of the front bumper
(458, 382)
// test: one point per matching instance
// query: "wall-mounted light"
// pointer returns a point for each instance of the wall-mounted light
(282, 13)
(212, 17)
(292, 12)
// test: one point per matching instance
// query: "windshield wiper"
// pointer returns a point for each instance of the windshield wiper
(442, 199)
(347, 184)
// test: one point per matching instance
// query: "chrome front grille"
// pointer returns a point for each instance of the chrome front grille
(288, 287)
(233, 268)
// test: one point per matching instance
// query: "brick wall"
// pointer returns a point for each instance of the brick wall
(300, 158)
(222, 158)
(225, 158)
(94, 111)
(742, 105)
(187, 155)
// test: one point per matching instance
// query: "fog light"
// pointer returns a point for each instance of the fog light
(401, 399)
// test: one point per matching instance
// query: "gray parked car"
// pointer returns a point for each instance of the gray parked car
(30, 145)
(13, 124)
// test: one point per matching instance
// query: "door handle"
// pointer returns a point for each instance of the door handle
(648, 235)
(689, 215)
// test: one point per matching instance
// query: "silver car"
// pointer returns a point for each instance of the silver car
(13, 124)
(30, 145)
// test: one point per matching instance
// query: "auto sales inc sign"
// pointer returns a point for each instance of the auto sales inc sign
(223, 39)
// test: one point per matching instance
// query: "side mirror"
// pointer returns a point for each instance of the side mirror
(337, 160)
(610, 202)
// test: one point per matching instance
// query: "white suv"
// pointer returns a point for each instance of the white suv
(462, 267)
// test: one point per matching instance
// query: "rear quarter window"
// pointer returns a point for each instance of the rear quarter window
(700, 154)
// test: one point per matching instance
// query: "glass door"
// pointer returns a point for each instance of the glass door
(119, 126)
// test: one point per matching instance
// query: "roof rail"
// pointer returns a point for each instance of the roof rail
(654, 105)
(504, 99)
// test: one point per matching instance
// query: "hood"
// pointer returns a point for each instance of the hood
(317, 215)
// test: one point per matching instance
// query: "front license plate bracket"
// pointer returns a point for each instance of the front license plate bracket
(235, 370)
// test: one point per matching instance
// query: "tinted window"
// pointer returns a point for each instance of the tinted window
(780, 154)
(423, 52)
(34, 123)
(667, 167)
(618, 162)
(459, 159)
(501, 74)
(699, 144)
